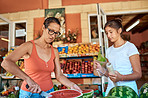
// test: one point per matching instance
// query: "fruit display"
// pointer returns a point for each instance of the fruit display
(143, 93)
(63, 50)
(21, 66)
(122, 92)
(11, 50)
(87, 67)
(10, 92)
(94, 48)
(19, 63)
(83, 49)
(73, 50)
(66, 93)
(88, 93)
(78, 49)
(72, 67)
(9, 74)
(62, 64)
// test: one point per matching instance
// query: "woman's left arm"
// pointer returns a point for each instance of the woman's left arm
(59, 75)
(137, 74)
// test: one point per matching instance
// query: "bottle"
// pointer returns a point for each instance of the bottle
(109, 67)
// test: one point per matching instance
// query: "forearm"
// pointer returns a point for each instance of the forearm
(65, 81)
(130, 77)
(11, 67)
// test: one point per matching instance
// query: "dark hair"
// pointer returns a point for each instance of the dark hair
(115, 23)
(50, 20)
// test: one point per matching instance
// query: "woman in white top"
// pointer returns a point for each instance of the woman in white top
(124, 57)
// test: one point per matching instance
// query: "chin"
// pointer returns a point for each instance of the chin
(112, 41)
(49, 41)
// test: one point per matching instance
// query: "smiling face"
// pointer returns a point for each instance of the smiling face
(112, 33)
(50, 35)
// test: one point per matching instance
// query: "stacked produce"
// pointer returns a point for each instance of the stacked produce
(72, 67)
(62, 64)
(73, 49)
(94, 48)
(87, 67)
(78, 49)
(83, 49)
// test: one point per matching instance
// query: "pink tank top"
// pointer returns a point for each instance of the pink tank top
(39, 70)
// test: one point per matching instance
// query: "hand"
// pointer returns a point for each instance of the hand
(115, 77)
(74, 86)
(33, 86)
(98, 67)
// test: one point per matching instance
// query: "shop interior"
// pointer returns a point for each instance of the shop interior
(135, 30)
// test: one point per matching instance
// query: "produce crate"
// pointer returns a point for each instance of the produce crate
(78, 75)
(88, 75)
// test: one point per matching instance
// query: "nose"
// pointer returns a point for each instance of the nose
(108, 35)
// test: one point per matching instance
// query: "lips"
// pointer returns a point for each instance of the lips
(51, 39)
(110, 39)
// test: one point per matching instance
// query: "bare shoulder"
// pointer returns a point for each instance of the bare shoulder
(25, 46)
(24, 49)
(55, 50)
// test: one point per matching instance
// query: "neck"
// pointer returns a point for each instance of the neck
(119, 43)
(42, 43)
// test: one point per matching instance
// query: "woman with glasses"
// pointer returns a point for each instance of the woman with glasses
(40, 59)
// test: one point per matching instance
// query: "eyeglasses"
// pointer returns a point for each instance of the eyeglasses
(51, 32)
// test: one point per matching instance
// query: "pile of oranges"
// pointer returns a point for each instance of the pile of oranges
(80, 49)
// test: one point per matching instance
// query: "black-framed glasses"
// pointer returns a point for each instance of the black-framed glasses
(52, 32)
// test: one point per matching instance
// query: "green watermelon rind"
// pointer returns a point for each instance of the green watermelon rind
(88, 94)
(80, 96)
(143, 92)
(120, 91)
(111, 97)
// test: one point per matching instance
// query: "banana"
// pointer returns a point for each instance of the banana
(8, 74)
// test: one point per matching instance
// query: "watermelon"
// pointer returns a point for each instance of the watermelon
(122, 92)
(88, 93)
(143, 93)
(66, 93)
(111, 97)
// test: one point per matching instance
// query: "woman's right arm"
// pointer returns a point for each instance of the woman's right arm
(9, 63)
